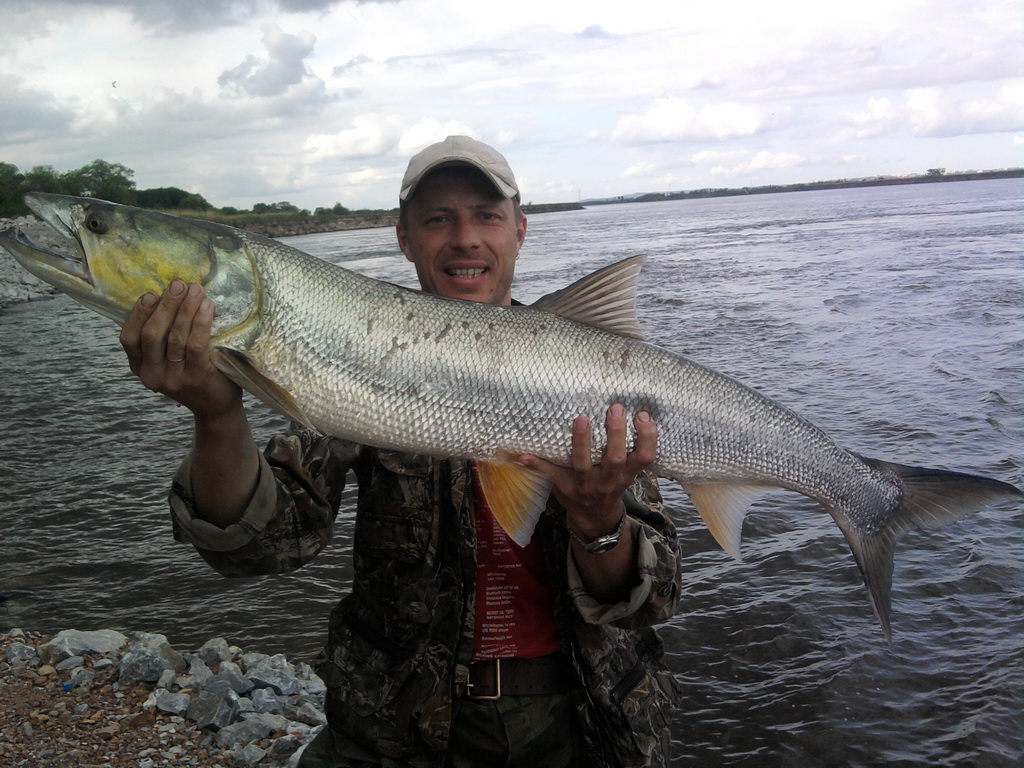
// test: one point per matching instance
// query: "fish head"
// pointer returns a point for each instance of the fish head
(112, 254)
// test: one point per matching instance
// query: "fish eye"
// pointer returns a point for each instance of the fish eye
(97, 223)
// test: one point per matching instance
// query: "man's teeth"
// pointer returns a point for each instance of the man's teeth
(466, 272)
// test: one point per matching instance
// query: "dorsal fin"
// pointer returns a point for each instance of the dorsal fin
(606, 298)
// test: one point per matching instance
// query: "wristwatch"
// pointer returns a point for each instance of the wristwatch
(601, 544)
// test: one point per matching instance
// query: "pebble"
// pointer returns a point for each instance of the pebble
(251, 708)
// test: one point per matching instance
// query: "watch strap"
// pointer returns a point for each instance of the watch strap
(602, 543)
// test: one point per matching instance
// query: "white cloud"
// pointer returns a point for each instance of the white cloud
(369, 135)
(674, 119)
(30, 112)
(374, 135)
(1004, 112)
(285, 66)
(323, 101)
(760, 161)
(938, 112)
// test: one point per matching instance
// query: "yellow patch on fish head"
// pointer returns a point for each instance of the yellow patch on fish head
(124, 271)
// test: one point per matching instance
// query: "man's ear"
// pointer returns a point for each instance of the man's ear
(521, 230)
(403, 240)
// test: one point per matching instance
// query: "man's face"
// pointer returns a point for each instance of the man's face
(463, 237)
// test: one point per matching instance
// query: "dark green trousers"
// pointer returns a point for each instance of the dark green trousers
(512, 732)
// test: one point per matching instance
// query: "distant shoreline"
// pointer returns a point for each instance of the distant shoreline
(278, 227)
(877, 181)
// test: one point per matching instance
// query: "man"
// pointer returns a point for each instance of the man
(456, 647)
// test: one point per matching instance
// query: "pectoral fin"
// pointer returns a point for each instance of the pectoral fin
(516, 495)
(723, 507)
(240, 368)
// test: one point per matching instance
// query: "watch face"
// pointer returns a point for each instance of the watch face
(602, 545)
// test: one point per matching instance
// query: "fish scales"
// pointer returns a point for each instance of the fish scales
(454, 378)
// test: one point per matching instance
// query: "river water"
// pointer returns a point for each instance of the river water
(892, 317)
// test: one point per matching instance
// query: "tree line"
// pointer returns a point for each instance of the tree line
(114, 182)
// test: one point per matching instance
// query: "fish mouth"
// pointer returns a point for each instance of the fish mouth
(61, 258)
(50, 262)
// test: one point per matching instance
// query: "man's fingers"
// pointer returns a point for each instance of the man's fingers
(646, 448)
(131, 331)
(181, 327)
(202, 330)
(156, 329)
(581, 445)
(615, 423)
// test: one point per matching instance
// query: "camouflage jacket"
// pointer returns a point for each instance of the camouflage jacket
(399, 645)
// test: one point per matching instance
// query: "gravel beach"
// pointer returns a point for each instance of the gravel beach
(63, 705)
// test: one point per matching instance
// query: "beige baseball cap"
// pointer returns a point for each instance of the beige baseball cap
(460, 150)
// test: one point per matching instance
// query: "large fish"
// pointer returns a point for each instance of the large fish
(396, 368)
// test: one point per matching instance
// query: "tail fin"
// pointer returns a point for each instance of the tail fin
(930, 498)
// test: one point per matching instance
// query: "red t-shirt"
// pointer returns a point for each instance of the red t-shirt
(514, 608)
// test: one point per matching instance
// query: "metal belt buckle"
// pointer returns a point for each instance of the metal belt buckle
(497, 685)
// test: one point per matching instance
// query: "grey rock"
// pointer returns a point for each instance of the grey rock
(283, 748)
(214, 710)
(71, 662)
(266, 701)
(311, 682)
(251, 659)
(146, 658)
(215, 651)
(306, 713)
(82, 678)
(198, 673)
(73, 642)
(167, 679)
(248, 755)
(229, 681)
(275, 672)
(253, 728)
(302, 730)
(293, 761)
(172, 703)
(19, 654)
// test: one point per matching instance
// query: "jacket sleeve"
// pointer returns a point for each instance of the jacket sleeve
(655, 596)
(290, 517)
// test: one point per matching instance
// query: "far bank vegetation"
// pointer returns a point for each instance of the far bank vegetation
(114, 182)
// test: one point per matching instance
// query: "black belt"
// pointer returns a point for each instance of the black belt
(495, 678)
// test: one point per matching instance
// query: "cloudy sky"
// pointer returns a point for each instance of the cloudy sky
(323, 101)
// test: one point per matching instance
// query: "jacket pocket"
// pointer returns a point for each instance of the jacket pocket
(398, 520)
(361, 666)
(635, 696)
